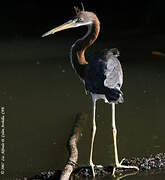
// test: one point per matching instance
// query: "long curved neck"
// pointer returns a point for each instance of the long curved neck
(79, 47)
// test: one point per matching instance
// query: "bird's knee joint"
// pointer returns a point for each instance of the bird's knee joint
(114, 130)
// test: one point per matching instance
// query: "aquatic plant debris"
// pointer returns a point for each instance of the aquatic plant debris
(146, 164)
(153, 162)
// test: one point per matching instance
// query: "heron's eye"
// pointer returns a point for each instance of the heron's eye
(80, 19)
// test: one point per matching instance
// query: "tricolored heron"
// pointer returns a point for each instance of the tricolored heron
(101, 74)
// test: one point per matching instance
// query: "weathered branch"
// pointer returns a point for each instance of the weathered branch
(72, 147)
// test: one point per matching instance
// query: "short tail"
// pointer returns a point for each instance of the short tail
(114, 96)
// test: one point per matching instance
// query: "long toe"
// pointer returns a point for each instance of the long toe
(127, 167)
(94, 167)
(120, 166)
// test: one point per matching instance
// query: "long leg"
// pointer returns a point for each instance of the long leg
(93, 137)
(114, 131)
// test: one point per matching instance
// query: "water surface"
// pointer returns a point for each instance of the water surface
(42, 95)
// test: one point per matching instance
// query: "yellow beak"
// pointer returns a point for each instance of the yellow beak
(67, 25)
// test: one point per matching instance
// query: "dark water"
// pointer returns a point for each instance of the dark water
(42, 95)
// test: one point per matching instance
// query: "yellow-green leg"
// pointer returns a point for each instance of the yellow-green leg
(114, 131)
(93, 138)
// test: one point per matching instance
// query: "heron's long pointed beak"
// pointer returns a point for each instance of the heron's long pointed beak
(67, 25)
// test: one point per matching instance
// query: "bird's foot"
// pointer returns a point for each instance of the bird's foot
(93, 166)
(120, 166)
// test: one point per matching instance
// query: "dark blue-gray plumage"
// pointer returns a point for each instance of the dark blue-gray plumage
(103, 75)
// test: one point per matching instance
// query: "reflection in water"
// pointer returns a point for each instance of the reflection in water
(41, 100)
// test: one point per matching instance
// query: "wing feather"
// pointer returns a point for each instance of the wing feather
(113, 72)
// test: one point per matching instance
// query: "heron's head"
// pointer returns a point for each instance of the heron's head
(82, 18)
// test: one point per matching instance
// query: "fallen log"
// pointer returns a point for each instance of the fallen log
(148, 165)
